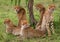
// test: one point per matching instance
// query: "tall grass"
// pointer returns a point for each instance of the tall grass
(6, 11)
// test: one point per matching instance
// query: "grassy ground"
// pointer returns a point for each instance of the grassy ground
(7, 11)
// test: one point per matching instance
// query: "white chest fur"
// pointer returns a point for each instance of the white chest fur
(22, 28)
(43, 24)
(7, 26)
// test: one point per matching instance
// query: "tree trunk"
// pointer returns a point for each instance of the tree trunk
(30, 7)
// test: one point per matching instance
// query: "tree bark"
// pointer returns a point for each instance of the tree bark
(31, 16)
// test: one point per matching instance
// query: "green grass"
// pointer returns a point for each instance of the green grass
(7, 11)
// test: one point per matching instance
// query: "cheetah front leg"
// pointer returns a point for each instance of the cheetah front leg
(52, 25)
(52, 28)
